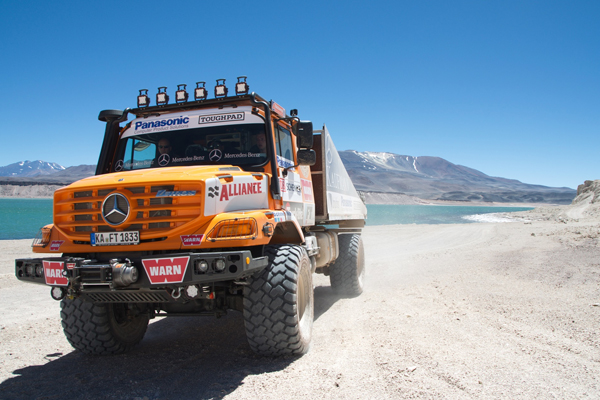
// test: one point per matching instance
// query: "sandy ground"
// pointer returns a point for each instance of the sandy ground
(481, 311)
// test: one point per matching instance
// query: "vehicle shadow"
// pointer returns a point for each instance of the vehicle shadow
(180, 357)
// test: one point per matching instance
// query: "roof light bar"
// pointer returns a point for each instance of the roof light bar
(221, 89)
(162, 97)
(241, 87)
(181, 95)
(143, 100)
(200, 93)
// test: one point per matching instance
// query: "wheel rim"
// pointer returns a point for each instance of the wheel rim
(302, 296)
(361, 266)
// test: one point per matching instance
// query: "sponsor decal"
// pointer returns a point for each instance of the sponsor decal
(162, 123)
(284, 162)
(53, 273)
(215, 155)
(55, 245)
(278, 109)
(164, 159)
(213, 191)
(208, 119)
(307, 191)
(240, 189)
(291, 187)
(191, 240)
(173, 193)
(280, 216)
(242, 155)
(187, 159)
(241, 193)
(166, 270)
(70, 265)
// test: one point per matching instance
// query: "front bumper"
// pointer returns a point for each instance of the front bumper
(147, 276)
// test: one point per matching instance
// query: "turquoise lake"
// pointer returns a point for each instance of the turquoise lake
(22, 218)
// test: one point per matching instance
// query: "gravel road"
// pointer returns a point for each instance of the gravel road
(481, 311)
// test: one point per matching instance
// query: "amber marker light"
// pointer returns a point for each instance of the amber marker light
(239, 228)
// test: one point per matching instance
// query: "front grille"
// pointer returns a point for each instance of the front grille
(128, 297)
(80, 211)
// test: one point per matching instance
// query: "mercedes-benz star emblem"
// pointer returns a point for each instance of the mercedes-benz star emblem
(164, 159)
(119, 165)
(115, 209)
(215, 155)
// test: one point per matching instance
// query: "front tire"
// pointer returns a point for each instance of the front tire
(279, 303)
(347, 273)
(102, 329)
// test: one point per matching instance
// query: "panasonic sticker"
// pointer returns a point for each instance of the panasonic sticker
(160, 125)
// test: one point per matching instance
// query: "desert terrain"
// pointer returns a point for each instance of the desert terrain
(481, 311)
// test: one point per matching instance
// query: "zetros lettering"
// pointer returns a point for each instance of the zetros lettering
(240, 189)
(169, 193)
(164, 122)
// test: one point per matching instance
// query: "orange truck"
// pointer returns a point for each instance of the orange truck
(199, 207)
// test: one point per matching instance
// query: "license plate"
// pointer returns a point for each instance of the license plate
(115, 238)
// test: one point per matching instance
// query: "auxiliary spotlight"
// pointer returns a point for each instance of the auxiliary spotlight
(200, 93)
(241, 87)
(221, 89)
(162, 97)
(181, 95)
(143, 100)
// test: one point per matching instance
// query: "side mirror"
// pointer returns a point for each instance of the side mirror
(306, 157)
(304, 135)
(109, 115)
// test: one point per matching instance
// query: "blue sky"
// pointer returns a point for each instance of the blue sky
(510, 88)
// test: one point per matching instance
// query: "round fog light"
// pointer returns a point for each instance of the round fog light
(220, 264)
(29, 269)
(58, 293)
(192, 291)
(39, 270)
(202, 266)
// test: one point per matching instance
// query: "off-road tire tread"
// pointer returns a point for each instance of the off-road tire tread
(88, 328)
(270, 309)
(344, 272)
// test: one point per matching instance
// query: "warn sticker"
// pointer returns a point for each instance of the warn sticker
(53, 273)
(55, 245)
(166, 270)
(191, 240)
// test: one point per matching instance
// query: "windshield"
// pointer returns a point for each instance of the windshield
(242, 145)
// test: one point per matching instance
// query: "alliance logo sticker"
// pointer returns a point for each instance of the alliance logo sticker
(166, 270)
(55, 245)
(53, 273)
(240, 189)
(191, 240)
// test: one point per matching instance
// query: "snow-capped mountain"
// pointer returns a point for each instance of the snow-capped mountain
(431, 178)
(437, 179)
(30, 169)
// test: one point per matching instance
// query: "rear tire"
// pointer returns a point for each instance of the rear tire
(279, 303)
(101, 328)
(347, 273)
